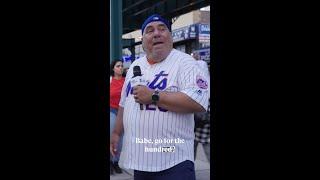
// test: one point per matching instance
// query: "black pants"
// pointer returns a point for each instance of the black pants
(182, 171)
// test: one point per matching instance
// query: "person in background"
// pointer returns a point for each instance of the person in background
(116, 83)
(202, 132)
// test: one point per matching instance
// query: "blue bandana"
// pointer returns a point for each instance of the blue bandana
(152, 18)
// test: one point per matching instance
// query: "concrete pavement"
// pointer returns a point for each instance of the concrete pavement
(202, 168)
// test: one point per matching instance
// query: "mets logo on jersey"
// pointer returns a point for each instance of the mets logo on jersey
(159, 82)
(201, 82)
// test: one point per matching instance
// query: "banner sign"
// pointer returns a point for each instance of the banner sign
(204, 35)
(188, 32)
(204, 54)
(194, 31)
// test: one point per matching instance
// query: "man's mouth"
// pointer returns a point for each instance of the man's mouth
(156, 43)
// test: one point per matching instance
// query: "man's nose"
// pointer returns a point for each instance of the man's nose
(156, 33)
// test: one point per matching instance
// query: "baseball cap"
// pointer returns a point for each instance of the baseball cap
(155, 17)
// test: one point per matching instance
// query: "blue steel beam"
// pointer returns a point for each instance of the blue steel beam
(115, 30)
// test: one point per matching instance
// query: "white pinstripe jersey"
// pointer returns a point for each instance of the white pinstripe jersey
(178, 72)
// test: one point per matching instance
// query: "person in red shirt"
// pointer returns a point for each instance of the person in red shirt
(116, 83)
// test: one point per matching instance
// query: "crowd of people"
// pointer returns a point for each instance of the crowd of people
(159, 108)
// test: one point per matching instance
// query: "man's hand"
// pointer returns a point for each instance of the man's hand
(114, 141)
(142, 94)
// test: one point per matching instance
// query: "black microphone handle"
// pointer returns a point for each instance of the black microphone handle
(141, 106)
(137, 72)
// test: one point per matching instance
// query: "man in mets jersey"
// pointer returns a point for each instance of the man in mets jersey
(156, 114)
